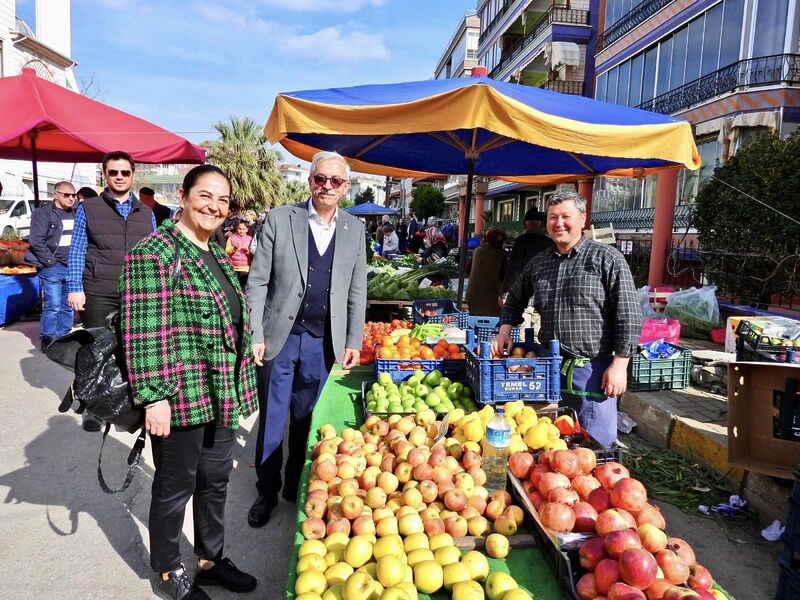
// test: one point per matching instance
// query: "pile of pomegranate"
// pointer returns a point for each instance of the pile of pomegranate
(632, 557)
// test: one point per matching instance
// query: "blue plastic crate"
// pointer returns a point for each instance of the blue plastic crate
(447, 313)
(455, 369)
(403, 368)
(486, 333)
(788, 582)
(494, 382)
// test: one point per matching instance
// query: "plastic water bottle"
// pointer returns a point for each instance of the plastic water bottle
(495, 451)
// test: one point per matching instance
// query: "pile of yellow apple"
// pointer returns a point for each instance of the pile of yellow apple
(383, 507)
(528, 431)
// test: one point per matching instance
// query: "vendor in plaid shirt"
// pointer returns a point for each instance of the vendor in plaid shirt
(584, 293)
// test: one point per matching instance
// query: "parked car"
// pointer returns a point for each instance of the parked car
(15, 215)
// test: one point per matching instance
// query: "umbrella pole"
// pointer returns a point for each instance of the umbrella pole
(35, 168)
(462, 255)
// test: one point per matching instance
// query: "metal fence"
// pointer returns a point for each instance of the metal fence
(564, 86)
(630, 20)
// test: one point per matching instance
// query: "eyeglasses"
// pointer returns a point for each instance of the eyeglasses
(115, 172)
(68, 195)
(336, 182)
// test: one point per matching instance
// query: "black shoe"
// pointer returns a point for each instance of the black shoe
(44, 342)
(90, 422)
(178, 586)
(260, 512)
(227, 575)
(289, 494)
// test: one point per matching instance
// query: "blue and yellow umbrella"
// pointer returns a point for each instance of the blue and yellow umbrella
(479, 126)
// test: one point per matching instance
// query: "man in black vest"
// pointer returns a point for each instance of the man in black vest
(148, 196)
(106, 228)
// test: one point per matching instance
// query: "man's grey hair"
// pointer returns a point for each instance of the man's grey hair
(326, 155)
(567, 196)
(57, 187)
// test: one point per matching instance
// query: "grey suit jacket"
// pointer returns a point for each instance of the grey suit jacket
(277, 281)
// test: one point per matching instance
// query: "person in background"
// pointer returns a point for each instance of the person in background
(416, 243)
(86, 192)
(186, 342)
(372, 229)
(308, 295)
(251, 217)
(413, 226)
(402, 235)
(585, 295)
(238, 249)
(50, 238)
(148, 197)
(379, 233)
(526, 246)
(435, 246)
(391, 244)
(488, 265)
(106, 227)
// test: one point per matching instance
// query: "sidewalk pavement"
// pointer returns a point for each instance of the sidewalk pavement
(693, 422)
(62, 536)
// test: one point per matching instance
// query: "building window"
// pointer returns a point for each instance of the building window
(732, 26)
(600, 94)
(711, 35)
(635, 94)
(505, 210)
(611, 92)
(623, 82)
(770, 29)
(664, 63)
(694, 49)
(693, 181)
(678, 58)
(649, 75)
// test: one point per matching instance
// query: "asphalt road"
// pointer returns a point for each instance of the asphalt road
(63, 538)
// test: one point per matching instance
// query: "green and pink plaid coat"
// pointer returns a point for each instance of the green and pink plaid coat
(178, 337)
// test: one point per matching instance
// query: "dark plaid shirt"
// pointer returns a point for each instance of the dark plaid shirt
(586, 300)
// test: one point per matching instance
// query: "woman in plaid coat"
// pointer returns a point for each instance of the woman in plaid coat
(187, 341)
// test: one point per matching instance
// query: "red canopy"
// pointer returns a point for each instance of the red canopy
(73, 128)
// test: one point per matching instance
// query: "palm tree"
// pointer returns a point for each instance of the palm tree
(294, 192)
(243, 154)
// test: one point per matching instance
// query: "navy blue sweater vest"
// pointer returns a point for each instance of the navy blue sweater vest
(316, 307)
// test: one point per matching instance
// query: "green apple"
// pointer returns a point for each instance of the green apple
(395, 407)
(466, 392)
(370, 396)
(445, 382)
(497, 584)
(420, 405)
(421, 390)
(393, 397)
(433, 378)
(385, 379)
(372, 406)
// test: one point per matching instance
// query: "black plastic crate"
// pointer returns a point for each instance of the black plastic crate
(762, 343)
(447, 313)
(660, 374)
(788, 582)
(499, 380)
(791, 534)
(744, 353)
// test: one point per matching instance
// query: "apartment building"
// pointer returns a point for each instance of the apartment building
(461, 52)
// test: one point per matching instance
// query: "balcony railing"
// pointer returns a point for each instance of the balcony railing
(643, 11)
(640, 218)
(495, 20)
(564, 87)
(553, 15)
(753, 72)
(472, 54)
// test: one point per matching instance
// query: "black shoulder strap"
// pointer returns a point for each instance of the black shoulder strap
(135, 456)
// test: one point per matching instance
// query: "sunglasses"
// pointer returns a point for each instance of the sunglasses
(115, 172)
(336, 182)
(67, 194)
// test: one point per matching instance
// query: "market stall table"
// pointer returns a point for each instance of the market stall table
(339, 405)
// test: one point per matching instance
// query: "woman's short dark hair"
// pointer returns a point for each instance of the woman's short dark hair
(118, 155)
(190, 179)
(87, 192)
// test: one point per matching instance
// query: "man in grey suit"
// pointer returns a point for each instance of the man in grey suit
(307, 293)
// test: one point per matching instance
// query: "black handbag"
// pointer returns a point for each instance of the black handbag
(101, 382)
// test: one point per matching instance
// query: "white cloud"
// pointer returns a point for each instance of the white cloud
(331, 44)
(345, 6)
(241, 19)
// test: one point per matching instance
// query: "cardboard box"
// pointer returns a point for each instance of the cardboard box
(751, 444)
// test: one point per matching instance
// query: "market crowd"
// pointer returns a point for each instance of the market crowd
(222, 316)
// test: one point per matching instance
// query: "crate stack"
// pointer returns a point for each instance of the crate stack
(752, 346)
(789, 577)
(648, 375)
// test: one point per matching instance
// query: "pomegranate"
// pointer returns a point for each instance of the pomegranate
(544, 458)
(629, 494)
(650, 514)
(585, 517)
(584, 484)
(587, 459)
(558, 517)
(608, 521)
(566, 462)
(621, 591)
(536, 499)
(550, 481)
(657, 589)
(638, 568)
(535, 475)
(565, 495)
(600, 499)
(617, 542)
(606, 574)
(586, 588)
(520, 464)
(591, 552)
(610, 473)
(700, 577)
(683, 549)
(675, 570)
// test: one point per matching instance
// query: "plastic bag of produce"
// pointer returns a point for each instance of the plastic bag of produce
(696, 309)
(643, 298)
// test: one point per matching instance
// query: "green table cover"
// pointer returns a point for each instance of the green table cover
(340, 405)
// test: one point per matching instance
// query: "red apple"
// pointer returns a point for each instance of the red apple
(600, 499)
(478, 475)
(606, 574)
(352, 507)
(700, 578)
(630, 494)
(340, 524)
(455, 499)
(609, 473)
(477, 503)
(617, 542)
(429, 490)
(469, 513)
(558, 517)
(444, 487)
(313, 528)
(591, 552)
(501, 495)
(621, 591)
(637, 568)
(683, 548)
(423, 471)
(651, 514)
(565, 462)
(675, 570)
(456, 526)
(587, 459)
(417, 456)
(326, 470)
(657, 589)
(586, 587)
(364, 525)
(494, 509)
(315, 507)
(608, 521)
(506, 525)
(585, 517)
(653, 539)
(433, 526)
(470, 459)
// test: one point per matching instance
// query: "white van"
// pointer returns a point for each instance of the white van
(15, 215)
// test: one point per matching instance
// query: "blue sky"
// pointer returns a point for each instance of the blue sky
(185, 64)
